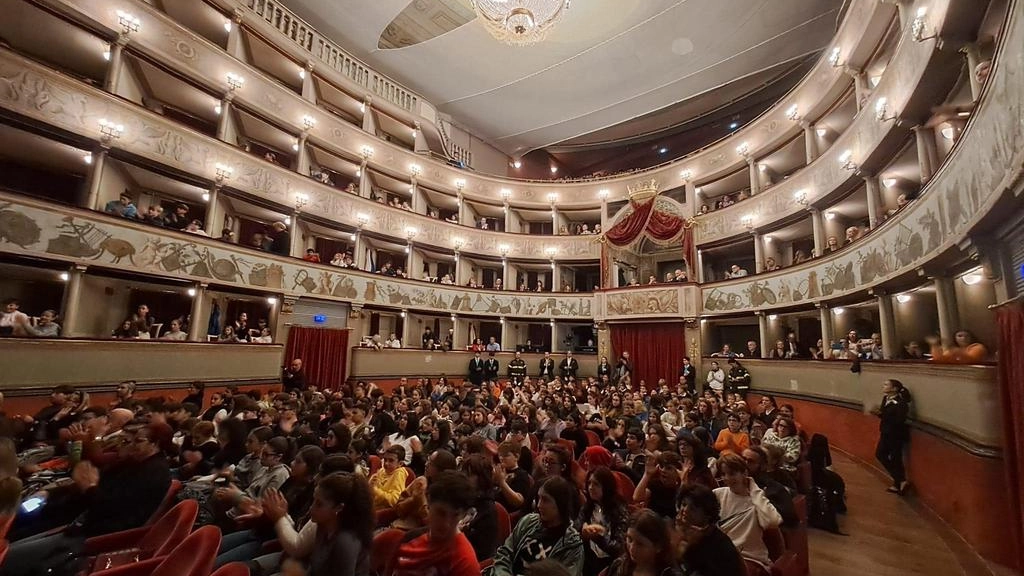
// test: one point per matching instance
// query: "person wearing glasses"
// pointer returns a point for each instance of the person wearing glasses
(709, 552)
(784, 435)
(272, 475)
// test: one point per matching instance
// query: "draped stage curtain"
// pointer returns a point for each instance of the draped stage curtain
(630, 227)
(656, 349)
(323, 353)
(663, 226)
(1010, 320)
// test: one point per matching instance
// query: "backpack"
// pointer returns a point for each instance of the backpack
(820, 458)
(821, 511)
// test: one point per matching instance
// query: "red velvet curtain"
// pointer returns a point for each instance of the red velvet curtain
(628, 229)
(663, 226)
(656, 349)
(1010, 319)
(690, 254)
(323, 353)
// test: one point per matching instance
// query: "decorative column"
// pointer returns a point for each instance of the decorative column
(214, 217)
(690, 207)
(810, 141)
(420, 144)
(945, 301)
(92, 197)
(507, 279)
(365, 183)
(556, 277)
(359, 251)
(860, 85)
(409, 339)
(762, 332)
(700, 266)
(113, 77)
(925, 140)
(369, 120)
(755, 177)
(302, 155)
(419, 200)
(819, 231)
(874, 200)
(887, 326)
(71, 306)
(236, 46)
(758, 252)
(826, 324)
(457, 273)
(504, 335)
(973, 53)
(308, 85)
(224, 132)
(197, 318)
(410, 262)
(295, 249)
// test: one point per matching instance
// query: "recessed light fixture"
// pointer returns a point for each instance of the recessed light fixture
(734, 125)
(302, 74)
(217, 108)
(554, 169)
(206, 196)
(287, 220)
(773, 317)
(271, 300)
(87, 158)
(662, 150)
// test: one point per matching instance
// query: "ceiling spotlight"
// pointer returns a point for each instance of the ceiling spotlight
(833, 57)
(963, 114)
(308, 122)
(793, 112)
(830, 215)
(234, 81)
(517, 164)
(287, 220)
(295, 146)
(129, 22)
(903, 298)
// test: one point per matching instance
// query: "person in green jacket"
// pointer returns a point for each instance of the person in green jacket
(545, 534)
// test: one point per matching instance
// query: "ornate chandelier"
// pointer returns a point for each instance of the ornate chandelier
(520, 22)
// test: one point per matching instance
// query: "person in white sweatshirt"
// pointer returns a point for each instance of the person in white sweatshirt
(746, 511)
(716, 379)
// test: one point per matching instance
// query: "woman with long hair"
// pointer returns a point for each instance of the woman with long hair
(649, 550)
(408, 426)
(893, 432)
(602, 521)
(547, 533)
(481, 525)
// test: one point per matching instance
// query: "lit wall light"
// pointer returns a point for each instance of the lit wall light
(833, 57)
(110, 130)
(919, 26)
(552, 197)
(227, 26)
(506, 194)
(800, 197)
(972, 278)
(773, 317)
(743, 149)
(839, 311)
(64, 276)
(301, 200)
(366, 152)
(603, 194)
(948, 132)
(503, 248)
(554, 169)
(762, 167)
(875, 80)
(830, 215)
(686, 175)
(903, 298)
(889, 182)
(748, 221)
(217, 108)
(363, 219)
(821, 132)
(517, 164)
(415, 170)
(352, 236)
(87, 158)
(362, 107)
(287, 220)
(295, 146)
(882, 110)
(302, 74)
(272, 301)
(191, 292)
(793, 112)
(206, 196)
(235, 81)
(846, 160)
(129, 22)
(768, 239)
(402, 314)
(106, 52)
(223, 171)
(698, 190)
(308, 122)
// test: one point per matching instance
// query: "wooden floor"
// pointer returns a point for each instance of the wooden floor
(885, 534)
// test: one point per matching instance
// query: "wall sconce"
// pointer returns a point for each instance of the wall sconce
(890, 182)
(882, 110)
(821, 132)
(800, 197)
(793, 112)
(295, 146)
(217, 108)
(552, 197)
(833, 57)
(87, 158)
(972, 278)
(362, 219)
(748, 221)
(918, 27)
(301, 201)
(903, 298)
(411, 232)
(110, 130)
(830, 215)
(353, 236)
(129, 22)
(846, 160)
(698, 190)
(402, 313)
(287, 220)
(762, 167)
(686, 175)
(503, 248)
(235, 81)
(768, 239)
(415, 170)
(838, 311)
(506, 194)
(366, 152)
(272, 301)
(206, 196)
(517, 164)
(554, 169)
(191, 292)
(773, 317)
(460, 184)
(551, 251)
(308, 122)
(743, 149)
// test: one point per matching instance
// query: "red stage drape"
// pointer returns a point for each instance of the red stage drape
(322, 351)
(690, 254)
(663, 226)
(657, 350)
(628, 229)
(1010, 319)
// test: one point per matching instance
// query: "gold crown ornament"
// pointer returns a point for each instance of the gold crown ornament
(643, 190)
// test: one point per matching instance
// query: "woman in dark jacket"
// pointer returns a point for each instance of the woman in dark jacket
(893, 432)
(481, 525)
(602, 522)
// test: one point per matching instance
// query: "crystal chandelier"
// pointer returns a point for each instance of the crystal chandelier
(519, 22)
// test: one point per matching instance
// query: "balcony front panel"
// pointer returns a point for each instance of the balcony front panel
(193, 55)
(32, 228)
(45, 95)
(665, 301)
(826, 174)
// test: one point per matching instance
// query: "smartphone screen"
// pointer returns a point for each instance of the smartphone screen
(32, 504)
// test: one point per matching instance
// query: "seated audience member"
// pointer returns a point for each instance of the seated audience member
(726, 351)
(831, 245)
(736, 272)
(178, 219)
(912, 351)
(778, 494)
(602, 521)
(411, 508)
(799, 257)
(123, 496)
(271, 475)
(770, 265)
(175, 332)
(512, 483)
(228, 336)
(649, 548)
(196, 227)
(732, 440)
(154, 215)
(783, 434)
(659, 483)
(441, 547)
(964, 350)
(853, 233)
(126, 331)
(47, 327)
(779, 352)
(311, 256)
(13, 321)
(545, 534)
(481, 525)
(123, 206)
(389, 482)
(708, 551)
(265, 337)
(746, 511)
(694, 454)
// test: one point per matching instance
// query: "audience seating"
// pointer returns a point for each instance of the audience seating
(409, 477)
(568, 445)
(154, 541)
(803, 477)
(625, 486)
(796, 537)
(5, 524)
(504, 522)
(786, 565)
(592, 438)
(374, 462)
(385, 545)
(3, 551)
(232, 569)
(193, 557)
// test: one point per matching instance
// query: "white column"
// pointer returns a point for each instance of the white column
(755, 178)
(113, 77)
(462, 210)
(758, 253)
(554, 220)
(507, 275)
(556, 277)
(819, 231)
(369, 120)
(691, 206)
(826, 324)
(71, 306)
(359, 251)
(410, 262)
(945, 302)
(925, 140)
(700, 266)
(308, 85)
(810, 142)
(295, 250)
(457, 273)
(419, 200)
(420, 144)
(214, 216)
(887, 326)
(505, 331)
(874, 200)
(92, 197)
(762, 332)
(224, 131)
(302, 156)
(409, 338)
(365, 184)
(860, 85)
(236, 46)
(973, 59)
(198, 321)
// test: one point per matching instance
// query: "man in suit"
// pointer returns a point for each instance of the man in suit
(491, 367)
(547, 367)
(568, 367)
(476, 370)
(517, 369)
(792, 346)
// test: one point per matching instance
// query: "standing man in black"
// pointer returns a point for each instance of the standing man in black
(293, 377)
(491, 367)
(517, 369)
(568, 367)
(476, 370)
(428, 339)
(547, 367)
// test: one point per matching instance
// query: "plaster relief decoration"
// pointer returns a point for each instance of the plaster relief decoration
(985, 162)
(647, 302)
(45, 231)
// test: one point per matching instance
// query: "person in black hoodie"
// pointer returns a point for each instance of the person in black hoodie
(709, 552)
(122, 497)
(893, 432)
(481, 525)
